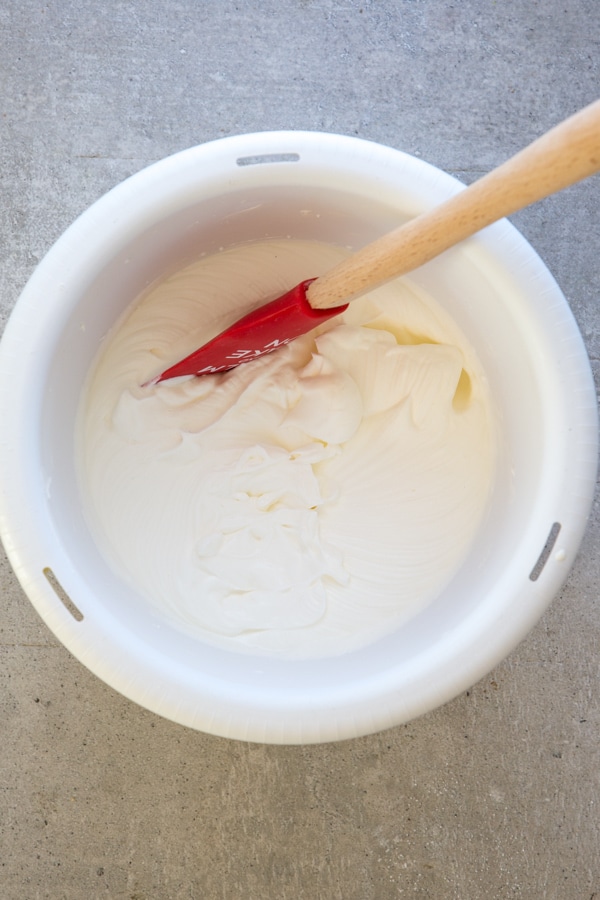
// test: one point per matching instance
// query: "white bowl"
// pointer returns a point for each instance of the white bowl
(494, 285)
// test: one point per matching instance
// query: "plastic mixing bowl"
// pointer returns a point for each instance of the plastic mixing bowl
(497, 289)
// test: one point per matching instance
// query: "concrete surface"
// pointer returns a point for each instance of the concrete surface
(495, 795)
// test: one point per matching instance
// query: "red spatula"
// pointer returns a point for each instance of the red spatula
(566, 154)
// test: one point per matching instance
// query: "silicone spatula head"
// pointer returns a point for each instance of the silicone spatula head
(260, 332)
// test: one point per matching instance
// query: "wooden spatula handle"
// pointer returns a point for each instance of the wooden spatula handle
(561, 157)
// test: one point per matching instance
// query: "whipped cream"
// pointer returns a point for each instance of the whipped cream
(303, 504)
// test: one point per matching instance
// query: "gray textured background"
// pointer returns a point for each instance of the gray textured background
(497, 794)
